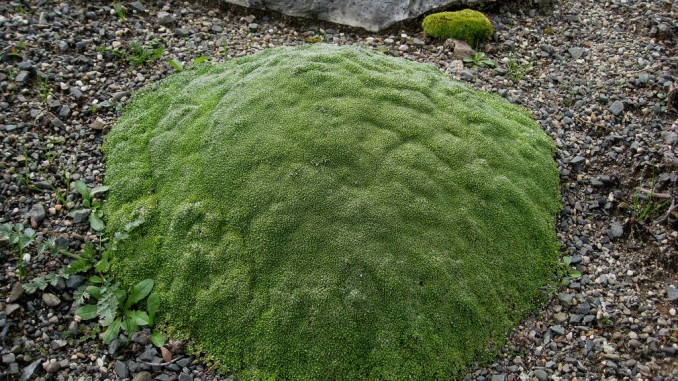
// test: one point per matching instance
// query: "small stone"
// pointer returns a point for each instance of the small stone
(148, 354)
(143, 376)
(57, 123)
(73, 328)
(37, 213)
(114, 347)
(141, 337)
(165, 18)
(121, 369)
(185, 377)
(671, 292)
(166, 354)
(403, 48)
(560, 317)
(541, 375)
(15, 293)
(184, 362)
(576, 53)
(28, 371)
(10, 308)
(462, 50)
(75, 92)
(50, 299)
(63, 46)
(8, 358)
(249, 18)
(51, 366)
(616, 230)
(253, 26)
(557, 329)
(74, 281)
(577, 160)
(617, 107)
(81, 215)
(182, 32)
(499, 377)
(22, 76)
(98, 124)
(64, 111)
(137, 6)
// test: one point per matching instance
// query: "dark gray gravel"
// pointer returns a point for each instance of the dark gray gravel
(596, 76)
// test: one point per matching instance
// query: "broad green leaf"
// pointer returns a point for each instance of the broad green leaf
(200, 59)
(567, 260)
(152, 306)
(575, 274)
(139, 317)
(87, 312)
(112, 331)
(96, 279)
(97, 190)
(86, 203)
(157, 339)
(139, 292)
(94, 292)
(157, 53)
(176, 65)
(103, 266)
(130, 326)
(82, 188)
(95, 222)
(120, 294)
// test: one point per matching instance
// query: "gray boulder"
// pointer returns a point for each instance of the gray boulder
(372, 15)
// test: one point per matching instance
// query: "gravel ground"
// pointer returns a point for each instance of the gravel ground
(595, 74)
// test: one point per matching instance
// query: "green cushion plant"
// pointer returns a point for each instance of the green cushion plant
(468, 25)
(328, 212)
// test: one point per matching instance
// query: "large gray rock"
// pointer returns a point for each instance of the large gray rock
(372, 15)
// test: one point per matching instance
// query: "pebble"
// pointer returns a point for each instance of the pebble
(616, 230)
(617, 107)
(50, 299)
(143, 376)
(37, 213)
(165, 18)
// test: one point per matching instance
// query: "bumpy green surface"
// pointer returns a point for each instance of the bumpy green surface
(332, 213)
(468, 25)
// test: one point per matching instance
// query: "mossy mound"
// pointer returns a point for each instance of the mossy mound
(468, 25)
(328, 212)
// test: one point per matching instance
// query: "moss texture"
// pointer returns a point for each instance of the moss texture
(328, 212)
(468, 25)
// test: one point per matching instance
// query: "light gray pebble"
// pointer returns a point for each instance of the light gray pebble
(50, 299)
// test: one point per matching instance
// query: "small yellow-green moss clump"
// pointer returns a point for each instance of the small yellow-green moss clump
(331, 213)
(468, 25)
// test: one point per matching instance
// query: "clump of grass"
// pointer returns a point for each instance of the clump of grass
(328, 212)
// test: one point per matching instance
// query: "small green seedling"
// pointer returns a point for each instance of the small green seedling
(567, 271)
(480, 60)
(140, 55)
(516, 70)
(119, 310)
(120, 11)
(20, 238)
(96, 214)
(178, 66)
(41, 282)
